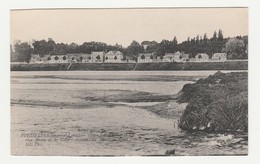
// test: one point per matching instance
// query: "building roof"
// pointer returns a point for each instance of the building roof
(45, 58)
(53, 56)
(114, 53)
(169, 55)
(77, 55)
(38, 58)
(110, 53)
(97, 53)
(118, 53)
(177, 53)
(185, 56)
(202, 55)
(35, 55)
(219, 55)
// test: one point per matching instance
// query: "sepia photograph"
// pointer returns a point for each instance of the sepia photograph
(129, 81)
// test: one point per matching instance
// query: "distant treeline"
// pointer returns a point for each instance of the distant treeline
(236, 48)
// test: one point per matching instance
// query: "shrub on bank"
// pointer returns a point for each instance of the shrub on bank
(218, 103)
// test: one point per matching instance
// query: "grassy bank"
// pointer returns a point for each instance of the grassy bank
(227, 65)
(218, 103)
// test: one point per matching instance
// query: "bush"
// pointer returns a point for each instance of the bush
(229, 114)
(217, 103)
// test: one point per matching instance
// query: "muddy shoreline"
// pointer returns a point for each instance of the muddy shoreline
(133, 118)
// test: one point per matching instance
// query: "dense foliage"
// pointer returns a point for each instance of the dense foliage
(218, 103)
(22, 52)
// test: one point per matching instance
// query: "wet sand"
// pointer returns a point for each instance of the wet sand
(110, 117)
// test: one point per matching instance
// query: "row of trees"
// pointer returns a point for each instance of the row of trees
(49, 47)
(203, 44)
(236, 48)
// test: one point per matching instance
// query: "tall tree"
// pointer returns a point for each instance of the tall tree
(197, 40)
(72, 48)
(134, 49)
(235, 49)
(188, 39)
(60, 49)
(214, 37)
(11, 48)
(23, 51)
(213, 44)
(165, 46)
(50, 45)
(152, 47)
(175, 42)
(43, 47)
(205, 37)
(220, 35)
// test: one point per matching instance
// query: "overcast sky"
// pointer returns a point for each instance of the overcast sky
(124, 25)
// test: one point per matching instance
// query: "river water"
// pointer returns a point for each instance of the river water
(107, 113)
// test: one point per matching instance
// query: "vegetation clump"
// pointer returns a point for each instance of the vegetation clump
(218, 103)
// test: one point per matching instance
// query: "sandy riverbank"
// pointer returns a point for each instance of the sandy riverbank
(105, 118)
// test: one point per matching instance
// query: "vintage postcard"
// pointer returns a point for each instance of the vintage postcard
(129, 82)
